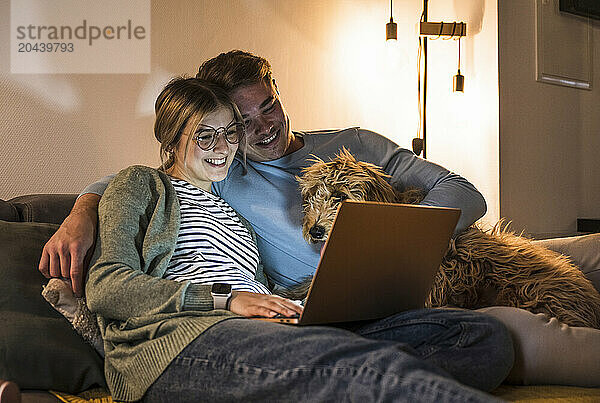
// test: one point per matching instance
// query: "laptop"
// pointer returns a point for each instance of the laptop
(380, 259)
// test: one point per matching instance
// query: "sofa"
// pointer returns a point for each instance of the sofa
(40, 351)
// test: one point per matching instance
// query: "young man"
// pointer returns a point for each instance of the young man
(472, 348)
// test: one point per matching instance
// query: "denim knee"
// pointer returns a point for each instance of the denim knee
(476, 349)
(492, 339)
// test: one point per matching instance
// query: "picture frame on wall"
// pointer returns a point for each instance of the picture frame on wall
(583, 8)
(564, 52)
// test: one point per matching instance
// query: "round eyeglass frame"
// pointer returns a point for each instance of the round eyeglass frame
(240, 129)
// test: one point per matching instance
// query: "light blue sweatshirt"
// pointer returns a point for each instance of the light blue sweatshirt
(269, 198)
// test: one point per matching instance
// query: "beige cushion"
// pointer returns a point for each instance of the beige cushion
(584, 250)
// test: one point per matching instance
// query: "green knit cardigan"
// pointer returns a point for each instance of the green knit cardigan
(145, 320)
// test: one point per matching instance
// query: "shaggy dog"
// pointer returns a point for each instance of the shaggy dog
(480, 268)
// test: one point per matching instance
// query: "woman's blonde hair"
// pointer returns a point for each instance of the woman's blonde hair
(184, 101)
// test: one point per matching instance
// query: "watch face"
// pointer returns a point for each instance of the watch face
(220, 288)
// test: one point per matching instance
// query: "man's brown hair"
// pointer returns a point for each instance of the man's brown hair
(236, 68)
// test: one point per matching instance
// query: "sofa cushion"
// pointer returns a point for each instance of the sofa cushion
(38, 347)
(583, 250)
(52, 208)
(8, 212)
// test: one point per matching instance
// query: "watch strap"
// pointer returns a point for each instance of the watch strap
(221, 301)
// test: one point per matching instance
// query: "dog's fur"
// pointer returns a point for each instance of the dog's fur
(480, 268)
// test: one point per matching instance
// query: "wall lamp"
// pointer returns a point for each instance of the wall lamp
(391, 28)
(437, 30)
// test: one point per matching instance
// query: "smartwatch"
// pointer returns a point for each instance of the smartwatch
(221, 293)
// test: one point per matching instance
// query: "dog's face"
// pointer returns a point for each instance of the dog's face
(324, 185)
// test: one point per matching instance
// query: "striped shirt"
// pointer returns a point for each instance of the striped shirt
(213, 245)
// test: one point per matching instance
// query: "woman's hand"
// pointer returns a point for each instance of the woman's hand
(252, 304)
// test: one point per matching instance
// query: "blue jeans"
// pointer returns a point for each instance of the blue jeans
(416, 356)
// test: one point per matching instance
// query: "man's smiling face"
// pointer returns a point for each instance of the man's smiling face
(267, 123)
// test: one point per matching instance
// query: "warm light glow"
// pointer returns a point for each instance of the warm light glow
(376, 83)
(375, 75)
(462, 131)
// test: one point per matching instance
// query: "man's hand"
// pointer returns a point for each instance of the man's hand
(252, 304)
(67, 253)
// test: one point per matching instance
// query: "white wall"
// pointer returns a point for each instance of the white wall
(549, 135)
(60, 132)
(462, 129)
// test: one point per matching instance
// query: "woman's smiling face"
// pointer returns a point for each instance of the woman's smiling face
(203, 167)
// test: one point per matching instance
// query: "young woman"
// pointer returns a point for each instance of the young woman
(165, 239)
(176, 270)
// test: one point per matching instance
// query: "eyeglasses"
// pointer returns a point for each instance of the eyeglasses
(206, 136)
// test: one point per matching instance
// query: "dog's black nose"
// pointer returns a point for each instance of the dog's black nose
(317, 232)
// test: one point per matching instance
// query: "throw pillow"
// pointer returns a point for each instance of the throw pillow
(583, 250)
(38, 346)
